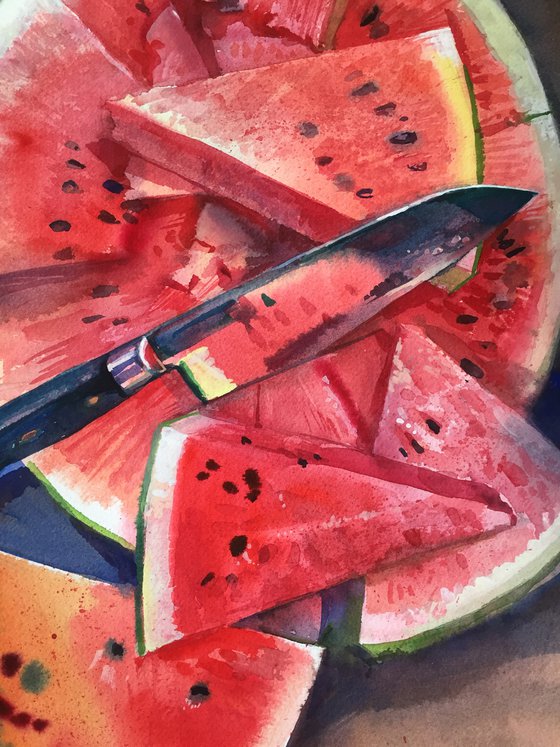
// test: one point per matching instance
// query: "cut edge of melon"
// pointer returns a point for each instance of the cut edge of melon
(71, 509)
(487, 597)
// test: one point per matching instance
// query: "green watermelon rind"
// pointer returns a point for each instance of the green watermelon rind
(71, 510)
(521, 583)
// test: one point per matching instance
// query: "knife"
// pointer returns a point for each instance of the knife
(284, 317)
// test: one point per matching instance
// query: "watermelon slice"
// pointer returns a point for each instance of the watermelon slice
(225, 133)
(70, 676)
(270, 518)
(433, 419)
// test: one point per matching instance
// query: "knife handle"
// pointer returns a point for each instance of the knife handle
(57, 409)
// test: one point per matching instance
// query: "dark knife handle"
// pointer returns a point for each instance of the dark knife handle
(57, 409)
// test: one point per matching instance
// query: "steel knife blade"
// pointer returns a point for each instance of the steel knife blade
(284, 317)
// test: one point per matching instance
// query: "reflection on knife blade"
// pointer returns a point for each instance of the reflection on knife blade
(280, 319)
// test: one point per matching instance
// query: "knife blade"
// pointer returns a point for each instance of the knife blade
(284, 317)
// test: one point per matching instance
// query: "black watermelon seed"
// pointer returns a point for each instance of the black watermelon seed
(365, 89)
(40, 724)
(129, 218)
(471, 368)
(143, 8)
(385, 110)
(198, 693)
(212, 465)
(11, 664)
(203, 475)
(238, 545)
(308, 129)
(345, 182)
(403, 119)
(120, 320)
(230, 487)
(405, 137)
(403, 452)
(366, 193)
(302, 462)
(316, 456)
(103, 291)
(246, 440)
(506, 243)
(418, 166)
(433, 426)
(515, 251)
(73, 164)
(92, 318)
(379, 30)
(60, 225)
(416, 446)
(72, 145)
(135, 206)
(466, 319)
(370, 16)
(70, 187)
(62, 254)
(252, 479)
(21, 719)
(323, 160)
(114, 649)
(107, 217)
(6, 708)
(501, 236)
(112, 186)
(253, 495)
(209, 577)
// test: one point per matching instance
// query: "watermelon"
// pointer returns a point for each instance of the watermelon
(270, 518)
(437, 416)
(240, 38)
(225, 133)
(70, 676)
(147, 38)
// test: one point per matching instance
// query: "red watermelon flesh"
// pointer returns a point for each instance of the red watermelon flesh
(433, 419)
(226, 133)
(70, 675)
(145, 37)
(52, 200)
(338, 397)
(270, 518)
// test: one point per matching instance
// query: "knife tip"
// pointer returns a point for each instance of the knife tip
(492, 204)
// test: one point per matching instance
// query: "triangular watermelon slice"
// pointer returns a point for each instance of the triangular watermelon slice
(70, 676)
(236, 520)
(437, 416)
(308, 168)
